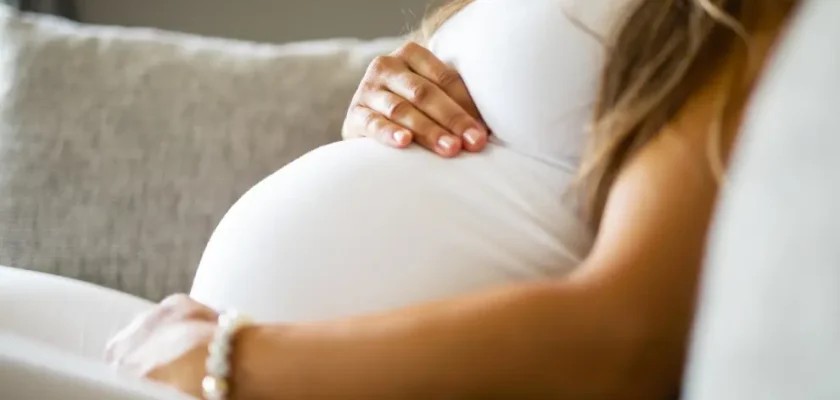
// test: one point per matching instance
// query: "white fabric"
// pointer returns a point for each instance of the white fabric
(71, 315)
(30, 370)
(53, 332)
(531, 69)
(356, 227)
(769, 326)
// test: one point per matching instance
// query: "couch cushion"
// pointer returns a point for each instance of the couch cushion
(120, 149)
(769, 326)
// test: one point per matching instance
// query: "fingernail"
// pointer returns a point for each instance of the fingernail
(402, 137)
(446, 143)
(472, 136)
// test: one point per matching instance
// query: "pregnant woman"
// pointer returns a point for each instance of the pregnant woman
(356, 227)
(376, 273)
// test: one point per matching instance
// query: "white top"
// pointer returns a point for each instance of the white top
(531, 70)
(356, 227)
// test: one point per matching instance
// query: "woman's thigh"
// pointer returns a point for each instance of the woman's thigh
(74, 316)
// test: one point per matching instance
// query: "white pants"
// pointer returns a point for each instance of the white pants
(53, 333)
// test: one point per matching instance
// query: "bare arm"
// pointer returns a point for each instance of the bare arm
(617, 329)
(526, 342)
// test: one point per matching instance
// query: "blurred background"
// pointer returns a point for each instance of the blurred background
(275, 21)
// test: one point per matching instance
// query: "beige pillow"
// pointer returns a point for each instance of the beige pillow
(120, 149)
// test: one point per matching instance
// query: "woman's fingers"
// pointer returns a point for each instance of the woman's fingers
(427, 132)
(412, 96)
(438, 91)
(379, 127)
(179, 307)
(423, 62)
(432, 101)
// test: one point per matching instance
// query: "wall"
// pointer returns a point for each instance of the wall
(262, 20)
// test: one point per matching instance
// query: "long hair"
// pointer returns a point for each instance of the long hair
(659, 54)
(435, 19)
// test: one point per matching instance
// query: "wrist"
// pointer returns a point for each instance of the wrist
(259, 367)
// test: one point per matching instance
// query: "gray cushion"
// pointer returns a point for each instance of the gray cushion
(120, 149)
(769, 326)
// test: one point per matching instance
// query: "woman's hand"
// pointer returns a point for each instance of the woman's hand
(411, 95)
(168, 344)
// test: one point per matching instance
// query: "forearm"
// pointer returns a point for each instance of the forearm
(544, 340)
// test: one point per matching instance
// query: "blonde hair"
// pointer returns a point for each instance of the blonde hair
(660, 54)
(437, 18)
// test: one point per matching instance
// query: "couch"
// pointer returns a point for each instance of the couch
(769, 323)
(121, 149)
(769, 319)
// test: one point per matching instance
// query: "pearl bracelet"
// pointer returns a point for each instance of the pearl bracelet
(215, 384)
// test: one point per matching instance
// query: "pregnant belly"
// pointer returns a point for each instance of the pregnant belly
(355, 227)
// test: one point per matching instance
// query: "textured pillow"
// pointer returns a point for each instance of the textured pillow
(120, 149)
